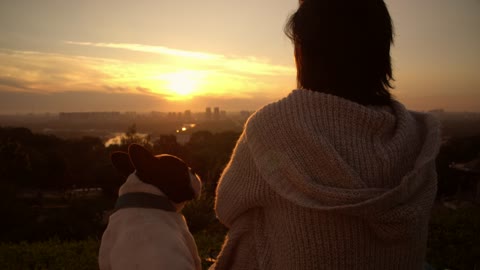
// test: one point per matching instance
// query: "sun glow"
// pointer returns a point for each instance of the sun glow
(183, 84)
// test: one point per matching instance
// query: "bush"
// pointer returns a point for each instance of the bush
(209, 244)
(52, 255)
(77, 219)
(454, 238)
(208, 232)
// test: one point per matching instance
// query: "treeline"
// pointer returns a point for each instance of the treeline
(30, 161)
(38, 161)
(37, 173)
(458, 150)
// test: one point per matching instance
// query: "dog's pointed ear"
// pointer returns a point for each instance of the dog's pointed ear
(121, 161)
(141, 158)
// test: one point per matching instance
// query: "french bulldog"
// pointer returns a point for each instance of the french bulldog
(146, 229)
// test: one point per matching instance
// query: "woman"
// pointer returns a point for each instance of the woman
(338, 174)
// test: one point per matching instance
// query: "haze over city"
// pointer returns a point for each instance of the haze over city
(148, 55)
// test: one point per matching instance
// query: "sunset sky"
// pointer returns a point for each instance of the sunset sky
(156, 55)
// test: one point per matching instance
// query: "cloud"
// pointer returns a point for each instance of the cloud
(234, 64)
(50, 73)
(150, 49)
(25, 102)
(47, 72)
(15, 83)
(143, 90)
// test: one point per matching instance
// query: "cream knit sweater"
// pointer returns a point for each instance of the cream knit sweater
(320, 182)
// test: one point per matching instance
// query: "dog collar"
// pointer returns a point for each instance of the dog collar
(144, 200)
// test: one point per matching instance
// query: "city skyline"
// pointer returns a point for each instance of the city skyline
(172, 56)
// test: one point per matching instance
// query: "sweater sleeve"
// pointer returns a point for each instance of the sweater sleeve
(240, 187)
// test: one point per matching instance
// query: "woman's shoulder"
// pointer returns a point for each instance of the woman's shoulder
(275, 109)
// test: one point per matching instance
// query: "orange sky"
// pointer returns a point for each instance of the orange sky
(66, 55)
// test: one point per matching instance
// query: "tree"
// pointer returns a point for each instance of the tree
(132, 136)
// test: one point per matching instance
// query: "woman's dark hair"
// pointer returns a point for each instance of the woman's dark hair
(342, 47)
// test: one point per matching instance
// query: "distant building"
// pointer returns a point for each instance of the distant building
(187, 115)
(216, 113)
(172, 116)
(156, 114)
(89, 116)
(131, 116)
(208, 113)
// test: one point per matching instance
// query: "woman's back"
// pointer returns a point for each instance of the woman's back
(320, 182)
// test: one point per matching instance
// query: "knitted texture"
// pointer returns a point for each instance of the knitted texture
(319, 182)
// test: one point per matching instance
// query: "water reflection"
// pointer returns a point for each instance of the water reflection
(116, 138)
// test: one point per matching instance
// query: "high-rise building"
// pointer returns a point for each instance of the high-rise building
(187, 115)
(208, 113)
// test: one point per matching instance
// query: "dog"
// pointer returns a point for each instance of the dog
(146, 230)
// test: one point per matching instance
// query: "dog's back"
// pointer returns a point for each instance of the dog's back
(146, 238)
(144, 235)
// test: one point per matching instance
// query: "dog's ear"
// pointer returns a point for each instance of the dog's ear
(196, 184)
(121, 161)
(168, 173)
(175, 180)
(141, 158)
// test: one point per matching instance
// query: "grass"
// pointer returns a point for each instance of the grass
(50, 255)
(81, 255)
(453, 244)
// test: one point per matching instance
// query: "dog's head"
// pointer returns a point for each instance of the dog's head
(168, 173)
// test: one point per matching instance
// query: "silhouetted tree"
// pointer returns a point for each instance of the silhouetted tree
(167, 144)
(132, 136)
(456, 150)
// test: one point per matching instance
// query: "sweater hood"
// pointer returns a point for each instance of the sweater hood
(324, 152)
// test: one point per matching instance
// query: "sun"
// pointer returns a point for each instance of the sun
(182, 83)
